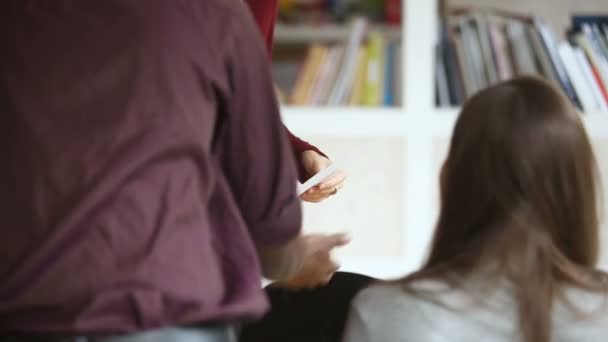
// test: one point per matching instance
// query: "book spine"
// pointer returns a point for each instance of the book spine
(501, 51)
(596, 44)
(598, 79)
(393, 11)
(576, 76)
(473, 54)
(320, 79)
(464, 70)
(522, 53)
(486, 49)
(441, 79)
(389, 74)
(579, 20)
(356, 96)
(399, 76)
(549, 43)
(542, 57)
(347, 70)
(373, 86)
(451, 64)
(304, 76)
(599, 93)
(333, 74)
(603, 44)
(319, 61)
(594, 60)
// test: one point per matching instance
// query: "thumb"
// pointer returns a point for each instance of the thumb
(329, 242)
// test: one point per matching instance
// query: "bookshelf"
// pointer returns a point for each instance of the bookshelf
(371, 143)
(296, 34)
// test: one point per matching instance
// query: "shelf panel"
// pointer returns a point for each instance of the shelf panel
(390, 122)
(345, 121)
(328, 33)
(596, 123)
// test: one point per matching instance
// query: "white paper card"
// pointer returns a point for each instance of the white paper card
(317, 179)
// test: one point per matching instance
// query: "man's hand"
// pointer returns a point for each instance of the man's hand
(318, 267)
(313, 163)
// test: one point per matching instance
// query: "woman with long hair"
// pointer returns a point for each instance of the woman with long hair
(514, 252)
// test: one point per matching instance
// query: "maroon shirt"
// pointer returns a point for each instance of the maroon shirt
(143, 157)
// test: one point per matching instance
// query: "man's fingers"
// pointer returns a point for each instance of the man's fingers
(332, 241)
(335, 181)
(313, 198)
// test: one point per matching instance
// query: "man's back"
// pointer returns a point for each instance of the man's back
(116, 128)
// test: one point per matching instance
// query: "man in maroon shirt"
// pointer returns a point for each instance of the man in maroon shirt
(147, 179)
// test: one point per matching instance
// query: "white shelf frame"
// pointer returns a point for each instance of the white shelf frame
(419, 122)
(327, 33)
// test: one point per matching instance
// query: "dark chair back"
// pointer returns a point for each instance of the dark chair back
(317, 315)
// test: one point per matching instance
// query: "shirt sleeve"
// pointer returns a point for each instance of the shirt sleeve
(356, 329)
(298, 147)
(265, 15)
(384, 313)
(256, 155)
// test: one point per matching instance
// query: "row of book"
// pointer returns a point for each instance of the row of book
(478, 48)
(365, 71)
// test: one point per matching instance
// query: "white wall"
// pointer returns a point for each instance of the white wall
(373, 206)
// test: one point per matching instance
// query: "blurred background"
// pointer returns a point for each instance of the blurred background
(377, 85)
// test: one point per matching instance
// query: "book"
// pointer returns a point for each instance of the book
(441, 79)
(501, 51)
(481, 24)
(375, 70)
(596, 39)
(520, 46)
(464, 71)
(482, 47)
(594, 59)
(582, 87)
(602, 56)
(347, 70)
(399, 76)
(473, 55)
(549, 42)
(328, 74)
(579, 20)
(306, 75)
(393, 11)
(601, 40)
(389, 74)
(456, 88)
(599, 26)
(600, 95)
(542, 57)
(320, 63)
(356, 96)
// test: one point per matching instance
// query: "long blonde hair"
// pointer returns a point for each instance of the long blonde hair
(519, 192)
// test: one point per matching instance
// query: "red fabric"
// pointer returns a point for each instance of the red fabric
(265, 14)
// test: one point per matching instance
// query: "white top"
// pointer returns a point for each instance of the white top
(386, 313)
